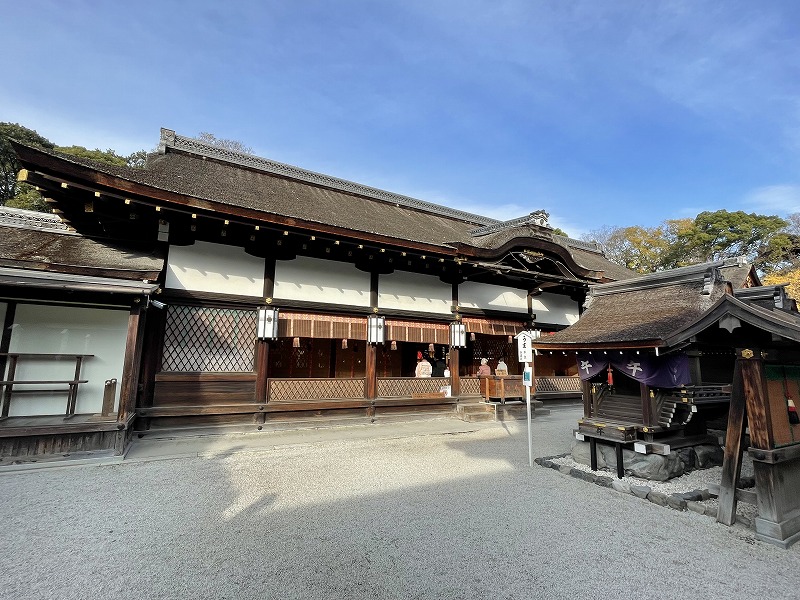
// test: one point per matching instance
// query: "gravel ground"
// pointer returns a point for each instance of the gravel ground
(434, 516)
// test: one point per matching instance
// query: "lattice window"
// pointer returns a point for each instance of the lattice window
(209, 339)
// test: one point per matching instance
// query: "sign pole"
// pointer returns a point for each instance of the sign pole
(525, 350)
(528, 403)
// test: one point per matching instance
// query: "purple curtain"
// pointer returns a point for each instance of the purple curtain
(658, 371)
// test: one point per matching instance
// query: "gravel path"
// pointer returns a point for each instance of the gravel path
(436, 516)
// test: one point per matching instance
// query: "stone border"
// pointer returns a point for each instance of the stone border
(684, 501)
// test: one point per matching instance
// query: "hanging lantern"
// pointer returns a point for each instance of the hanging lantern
(376, 329)
(431, 349)
(393, 345)
(472, 337)
(296, 342)
(510, 339)
(344, 344)
(610, 376)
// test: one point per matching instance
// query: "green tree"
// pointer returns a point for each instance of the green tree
(641, 249)
(9, 165)
(110, 157)
(722, 234)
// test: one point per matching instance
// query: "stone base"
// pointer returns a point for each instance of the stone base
(655, 467)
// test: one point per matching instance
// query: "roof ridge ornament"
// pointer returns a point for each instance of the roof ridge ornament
(169, 139)
(537, 217)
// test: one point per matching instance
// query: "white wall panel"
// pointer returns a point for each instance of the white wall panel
(65, 329)
(318, 280)
(555, 308)
(492, 297)
(207, 267)
(402, 290)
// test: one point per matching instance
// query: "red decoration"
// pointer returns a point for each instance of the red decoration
(610, 376)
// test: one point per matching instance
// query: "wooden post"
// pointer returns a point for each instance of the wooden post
(734, 446)
(130, 368)
(587, 398)
(455, 376)
(5, 335)
(371, 381)
(755, 393)
(262, 371)
(647, 405)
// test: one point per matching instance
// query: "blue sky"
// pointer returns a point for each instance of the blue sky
(601, 112)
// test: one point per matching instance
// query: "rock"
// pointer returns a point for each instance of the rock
(708, 456)
(704, 494)
(711, 511)
(581, 454)
(695, 495)
(640, 491)
(700, 509)
(653, 466)
(676, 502)
(747, 482)
(566, 469)
(604, 481)
(583, 475)
(548, 463)
(657, 498)
(687, 457)
(621, 486)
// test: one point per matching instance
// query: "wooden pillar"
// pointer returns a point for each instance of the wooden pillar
(5, 335)
(371, 381)
(151, 354)
(262, 370)
(455, 376)
(132, 362)
(695, 373)
(587, 398)
(647, 405)
(754, 384)
(734, 446)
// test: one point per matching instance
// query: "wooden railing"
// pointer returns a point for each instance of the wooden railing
(72, 384)
(558, 386)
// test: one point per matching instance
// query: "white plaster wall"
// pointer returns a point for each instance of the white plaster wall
(492, 297)
(64, 329)
(319, 280)
(555, 308)
(402, 290)
(208, 267)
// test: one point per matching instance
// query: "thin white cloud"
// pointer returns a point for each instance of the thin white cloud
(781, 199)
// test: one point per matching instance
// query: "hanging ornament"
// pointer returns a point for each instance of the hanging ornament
(610, 376)
(431, 349)
(296, 342)
(472, 337)
(393, 345)
(344, 344)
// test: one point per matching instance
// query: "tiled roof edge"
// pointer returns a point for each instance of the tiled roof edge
(169, 139)
(30, 219)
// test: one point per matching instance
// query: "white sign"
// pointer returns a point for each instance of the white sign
(524, 347)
